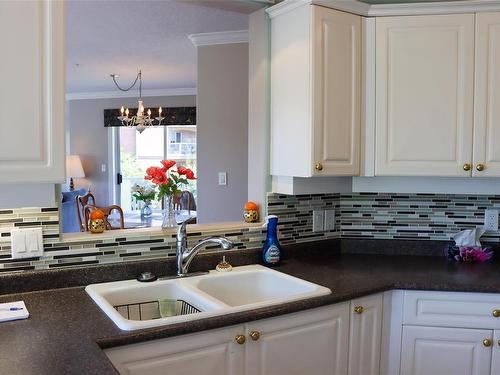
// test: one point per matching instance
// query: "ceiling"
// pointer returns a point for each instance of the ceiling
(121, 36)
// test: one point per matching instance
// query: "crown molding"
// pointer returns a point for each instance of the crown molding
(130, 94)
(395, 9)
(220, 37)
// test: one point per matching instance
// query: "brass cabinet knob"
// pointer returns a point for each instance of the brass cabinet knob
(240, 339)
(318, 166)
(359, 309)
(487, 342)
(255, 335)
(466, 167)
(496, 313)
(480, 167)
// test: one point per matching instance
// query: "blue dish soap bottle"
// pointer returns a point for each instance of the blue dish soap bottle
(271, 251)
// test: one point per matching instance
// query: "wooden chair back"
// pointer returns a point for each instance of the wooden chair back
(81, 202)
(106, 211)
(184, 201)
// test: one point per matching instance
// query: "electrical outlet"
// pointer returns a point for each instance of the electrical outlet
(329, 220)
(491, 220)
(318, 220)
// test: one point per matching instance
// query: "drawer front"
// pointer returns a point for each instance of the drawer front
(452, 309)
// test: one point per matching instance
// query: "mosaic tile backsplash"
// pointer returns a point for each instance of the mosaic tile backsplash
(360, 215)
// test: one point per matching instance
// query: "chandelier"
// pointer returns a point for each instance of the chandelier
(143, 118)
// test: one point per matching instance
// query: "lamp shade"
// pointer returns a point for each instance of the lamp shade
(74, 166)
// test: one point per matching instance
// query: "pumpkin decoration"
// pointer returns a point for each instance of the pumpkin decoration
(96, 222)
(251, 212)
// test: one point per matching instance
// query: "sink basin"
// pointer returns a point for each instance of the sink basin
(256, 286)
(135, 305)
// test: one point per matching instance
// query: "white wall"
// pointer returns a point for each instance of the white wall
(222, 103)
(259, 179)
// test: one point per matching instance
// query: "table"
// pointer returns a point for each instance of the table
(133, 219)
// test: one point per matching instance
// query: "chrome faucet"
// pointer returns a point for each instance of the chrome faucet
(185, 256)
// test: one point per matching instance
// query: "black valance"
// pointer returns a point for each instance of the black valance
(173, 116)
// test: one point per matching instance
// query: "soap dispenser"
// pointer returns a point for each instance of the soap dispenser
(271, 251)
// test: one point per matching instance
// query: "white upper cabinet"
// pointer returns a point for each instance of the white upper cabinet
(424, 95)
(315, 92)
(32, 71)
(487, 96)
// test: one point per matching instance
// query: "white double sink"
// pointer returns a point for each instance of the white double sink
(212, 294)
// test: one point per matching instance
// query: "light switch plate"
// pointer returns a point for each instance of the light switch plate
(222, 178)
(318, 220)
(329, 220)
(26, 243)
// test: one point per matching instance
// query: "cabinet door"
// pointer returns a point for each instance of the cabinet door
(309, 342)
(495, 358)
(210, 353)
(445, 351)
(32, 93)
(487, 95)
(336, 92)
(424, 92)
(365, 335)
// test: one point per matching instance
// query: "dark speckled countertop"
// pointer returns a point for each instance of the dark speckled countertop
(66, 330)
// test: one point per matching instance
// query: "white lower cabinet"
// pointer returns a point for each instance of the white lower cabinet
(365, 335)
(209, 353)
(314, 342)
(310, 342)
(450, 333)
(446, 351)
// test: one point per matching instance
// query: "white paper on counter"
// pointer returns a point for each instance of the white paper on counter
(6, 315)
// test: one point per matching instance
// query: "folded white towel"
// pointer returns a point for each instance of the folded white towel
(13, 311)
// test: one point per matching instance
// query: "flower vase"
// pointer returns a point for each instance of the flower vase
(146, 210)
(168, 212)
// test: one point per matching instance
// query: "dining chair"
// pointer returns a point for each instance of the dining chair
(106, 211)
(81, 202)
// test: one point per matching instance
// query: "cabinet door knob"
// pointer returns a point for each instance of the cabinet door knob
(496, 313)
(480, 167)
(359, 309)
(487, 342)
(255, 335)
(318, 166)
(240, 339)
(466, 167)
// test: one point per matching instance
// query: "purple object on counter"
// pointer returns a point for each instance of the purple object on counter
(469, 253)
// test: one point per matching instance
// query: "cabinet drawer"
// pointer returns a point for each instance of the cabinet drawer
(452, 309)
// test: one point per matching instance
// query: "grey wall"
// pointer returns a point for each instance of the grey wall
(27, 195)
(222, 103)
(89, 138)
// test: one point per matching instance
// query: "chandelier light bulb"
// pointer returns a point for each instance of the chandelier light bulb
(122, 110)
(149, 112)
(126, 112)
(159, 111)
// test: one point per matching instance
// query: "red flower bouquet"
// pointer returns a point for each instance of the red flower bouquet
(167, 179)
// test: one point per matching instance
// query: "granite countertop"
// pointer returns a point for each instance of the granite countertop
(67, 331)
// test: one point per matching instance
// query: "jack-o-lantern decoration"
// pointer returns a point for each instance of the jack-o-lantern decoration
(96, 222)
(251, 212)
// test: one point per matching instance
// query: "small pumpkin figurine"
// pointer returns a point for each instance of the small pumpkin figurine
(251, 213)
(96, 222)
